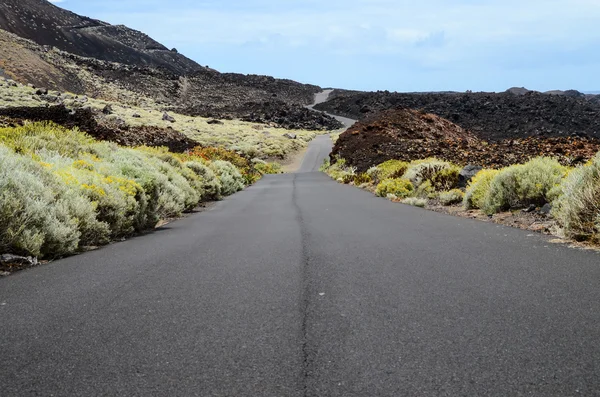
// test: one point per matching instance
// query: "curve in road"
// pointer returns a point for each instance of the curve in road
(323, 97)
(299, 286)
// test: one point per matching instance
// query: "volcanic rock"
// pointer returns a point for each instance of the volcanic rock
(168, 118)
(467, 173)
(489, 116)
(115, 131)
(407, 135)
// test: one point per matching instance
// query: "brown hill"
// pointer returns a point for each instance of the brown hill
(408, 135)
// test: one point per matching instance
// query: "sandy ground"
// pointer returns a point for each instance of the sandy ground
(293, 162)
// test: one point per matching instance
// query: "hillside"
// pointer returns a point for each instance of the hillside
(47, 24)
(490, 116)
(44, 45)
(405, 134)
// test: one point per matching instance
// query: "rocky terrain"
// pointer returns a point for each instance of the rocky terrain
(408, 135)
(86, 120)
(46, 46)
(518, 113)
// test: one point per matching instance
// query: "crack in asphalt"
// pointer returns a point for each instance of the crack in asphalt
(305, 294)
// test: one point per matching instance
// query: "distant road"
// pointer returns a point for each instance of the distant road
(299, 286)
(322, 97)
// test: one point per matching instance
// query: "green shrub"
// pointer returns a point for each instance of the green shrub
(210, 183)
(361, 179)
(451, 197)
(164, 197)
(398, 187)
(442, 174)
(521, 185)
(425, 190)
(478, 189)
(61, 190)
(35, 210)
(265, 168)
(414, 201)
(341, 172)
(47, 136)
(231, 179)
(387, 170)
(577, 210)
(325, 166)
(446, 179)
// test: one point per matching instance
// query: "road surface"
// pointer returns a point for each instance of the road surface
(299, 286)
(322, 97)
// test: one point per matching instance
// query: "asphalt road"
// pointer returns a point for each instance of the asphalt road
(322, 97)
(299, 286)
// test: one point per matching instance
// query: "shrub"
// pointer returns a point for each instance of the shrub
(245, 167)
(478, 188)
(35, 211)
(417, 202)
(229, 176)
(60, 189)
(577, 210)
(451, 197)
(442, 174)
(118, 200)
(48, 136)
(425, 190)
(325, 166)
(446, 179)
(163, 190)
(340, 171)
(398, 187)
(388, 169)
(268, 168)
(360, 179)
(521, 185)
(210, 183)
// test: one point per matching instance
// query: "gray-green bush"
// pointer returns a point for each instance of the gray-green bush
(521, 185)
(577, 209)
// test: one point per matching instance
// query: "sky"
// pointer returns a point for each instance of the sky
(395, 45)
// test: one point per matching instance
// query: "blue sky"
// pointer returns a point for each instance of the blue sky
(398, 45)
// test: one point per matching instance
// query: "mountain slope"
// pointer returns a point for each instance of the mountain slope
(46, 46)
(47, 24)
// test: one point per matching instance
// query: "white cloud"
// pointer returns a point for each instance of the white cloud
(473, 35)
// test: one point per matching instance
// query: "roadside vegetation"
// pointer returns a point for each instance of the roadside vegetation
(570, 197)
(62, 192)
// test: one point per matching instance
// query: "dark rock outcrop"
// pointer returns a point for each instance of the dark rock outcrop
(85, 120)
(490, 116)
(467, 173)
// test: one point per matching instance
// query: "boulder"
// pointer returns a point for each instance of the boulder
(289, 135)
(41, 91)
(466, 174)
(168, 118)
(107, 109)
(214, 122)
(546, 209)
(136, 116)
(15, 262)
